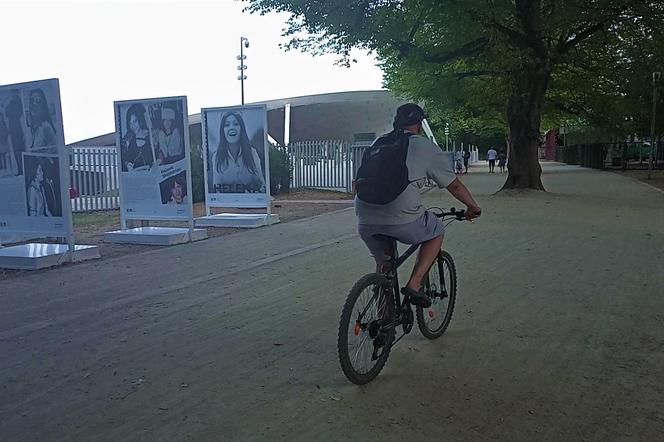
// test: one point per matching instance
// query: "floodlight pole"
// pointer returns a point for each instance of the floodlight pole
(244, 43)
(655, 79)
(447, 133)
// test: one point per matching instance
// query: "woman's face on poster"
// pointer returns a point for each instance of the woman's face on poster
(35, 104)
(133, 123)
(232, 129)
(39, 174)
(176, 191)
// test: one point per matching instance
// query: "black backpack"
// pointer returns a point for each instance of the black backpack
(383, 175)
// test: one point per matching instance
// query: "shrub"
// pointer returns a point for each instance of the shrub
(197, 176)
(280, 170)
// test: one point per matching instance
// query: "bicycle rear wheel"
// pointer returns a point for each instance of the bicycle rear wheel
(440, 286)
(366, 328)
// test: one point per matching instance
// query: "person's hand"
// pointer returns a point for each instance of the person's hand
(473, 212)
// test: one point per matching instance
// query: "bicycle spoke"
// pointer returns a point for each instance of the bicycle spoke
(364, 342)
(367, 309)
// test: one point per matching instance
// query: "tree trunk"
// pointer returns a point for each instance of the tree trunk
(524, 113)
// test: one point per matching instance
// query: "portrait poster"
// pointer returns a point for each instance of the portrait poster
(34, 162)
(236, 158)
(152, 137)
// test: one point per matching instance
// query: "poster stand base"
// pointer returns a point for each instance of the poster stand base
(241, 220)
(35, 256)
(154, 236)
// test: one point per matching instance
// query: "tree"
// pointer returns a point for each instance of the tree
(492, 60)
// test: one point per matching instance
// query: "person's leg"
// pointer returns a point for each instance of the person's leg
(426, 256)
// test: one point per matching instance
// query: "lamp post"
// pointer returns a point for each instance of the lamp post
(447, 135)
(244, 43)
(655, 79)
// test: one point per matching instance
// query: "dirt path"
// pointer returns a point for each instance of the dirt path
(90, 227)
(557, 335)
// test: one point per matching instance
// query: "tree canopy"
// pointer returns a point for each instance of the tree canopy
(498, 66)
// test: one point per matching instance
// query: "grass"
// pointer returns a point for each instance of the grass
(95, 218)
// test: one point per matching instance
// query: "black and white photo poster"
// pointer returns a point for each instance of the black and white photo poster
(34, 163)
(236, 160)
(152, 137)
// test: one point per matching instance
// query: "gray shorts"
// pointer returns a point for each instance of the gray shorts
(426, 227)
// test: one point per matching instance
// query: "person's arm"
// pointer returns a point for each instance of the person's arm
(32, 202)
(259, 169)
(216, 174)
(49, 135)
(461, 192)
(47, 211)
(177, 142)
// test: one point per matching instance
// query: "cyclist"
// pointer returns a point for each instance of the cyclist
(405, 218)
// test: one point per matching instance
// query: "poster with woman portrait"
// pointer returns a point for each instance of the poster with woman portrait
(152, 137)
(34, 163)
(236, 157)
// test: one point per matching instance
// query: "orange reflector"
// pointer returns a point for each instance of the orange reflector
(357, 328)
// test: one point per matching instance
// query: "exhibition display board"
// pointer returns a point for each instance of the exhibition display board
(236, 164)
(34, 177)
(34, 164)
(152, 138)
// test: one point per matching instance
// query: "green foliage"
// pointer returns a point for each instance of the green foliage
(466, 58)
(280, 170)
(197, 175)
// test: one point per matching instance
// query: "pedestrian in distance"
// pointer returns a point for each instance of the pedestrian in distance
(466, 159)
(502, 161)
(491, 156)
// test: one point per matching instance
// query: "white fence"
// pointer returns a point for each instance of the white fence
(94, 178)
(318, 164)
(333, 164)
(325, 164)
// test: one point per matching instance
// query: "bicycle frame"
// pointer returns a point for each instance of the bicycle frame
(397, 260)
(392, 275)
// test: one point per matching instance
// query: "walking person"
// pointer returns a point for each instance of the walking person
(502, 161)
(491, 155)
(466, 159)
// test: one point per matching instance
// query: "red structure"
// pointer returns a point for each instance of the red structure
(550, 145)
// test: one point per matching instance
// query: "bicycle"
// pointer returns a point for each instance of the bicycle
(374, 325)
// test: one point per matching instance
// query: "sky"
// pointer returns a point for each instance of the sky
(102, 51)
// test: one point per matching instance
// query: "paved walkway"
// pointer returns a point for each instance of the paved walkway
(557, 335)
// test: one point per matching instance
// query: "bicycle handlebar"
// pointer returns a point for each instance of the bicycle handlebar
(460, 215)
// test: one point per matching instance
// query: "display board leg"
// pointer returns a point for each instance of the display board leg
(191, 229)
(70, 248)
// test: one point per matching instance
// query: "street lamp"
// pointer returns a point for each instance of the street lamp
(655, 79)
(447, 134)
(244, 43)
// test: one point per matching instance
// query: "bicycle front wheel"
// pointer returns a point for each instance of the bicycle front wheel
(366, 329)
(440, 286)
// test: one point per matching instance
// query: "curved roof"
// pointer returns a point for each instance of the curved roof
(333, 116)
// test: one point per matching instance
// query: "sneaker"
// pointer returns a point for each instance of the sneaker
(416, 298)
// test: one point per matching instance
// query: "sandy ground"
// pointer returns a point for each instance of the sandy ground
(289, 207)
(558, 332)
(656, 176)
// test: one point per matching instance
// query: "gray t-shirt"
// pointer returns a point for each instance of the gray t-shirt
(424, 160)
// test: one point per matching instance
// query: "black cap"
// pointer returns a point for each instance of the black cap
(408, 114)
